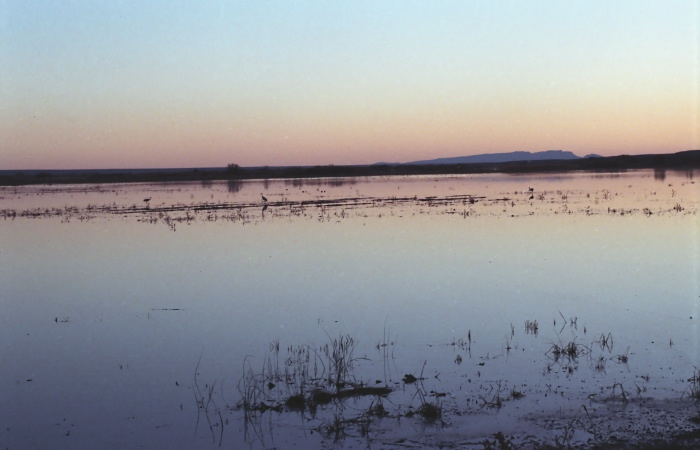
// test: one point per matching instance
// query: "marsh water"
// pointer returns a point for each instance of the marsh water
(133, 323)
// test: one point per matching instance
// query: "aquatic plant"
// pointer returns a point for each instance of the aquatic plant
(693, 389)
(335, 428)
(306, 377)
(500, 442)
(622, 396)
(516, 395)
(600, 364)
(605, 341)
(571, 350)
(318, 382)
(206, 404)
(531, 327)
(496, 401)
(624, 358)
(340, 360)
(409, 378)
(430, 411)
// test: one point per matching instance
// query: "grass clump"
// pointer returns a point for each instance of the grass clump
(516, 395)
(430, 411)
(570, 351)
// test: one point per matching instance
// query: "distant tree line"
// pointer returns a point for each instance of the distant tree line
(679, 161)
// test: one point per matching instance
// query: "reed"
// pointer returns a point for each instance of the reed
(622, 396)
(600, 364)
(605, 341)
(531, 327)
(339, 354)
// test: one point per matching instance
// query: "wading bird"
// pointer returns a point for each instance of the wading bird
(263, 198)
(531, 189)
(147, 199)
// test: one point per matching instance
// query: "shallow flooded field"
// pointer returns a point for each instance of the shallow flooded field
(397, 312)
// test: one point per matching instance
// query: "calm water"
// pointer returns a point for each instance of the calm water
(111, 304)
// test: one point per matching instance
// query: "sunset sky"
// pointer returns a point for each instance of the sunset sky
(127, 84)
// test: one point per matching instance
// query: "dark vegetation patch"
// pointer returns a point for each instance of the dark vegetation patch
(681, 160)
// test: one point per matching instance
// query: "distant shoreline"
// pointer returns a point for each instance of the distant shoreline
(685, 160)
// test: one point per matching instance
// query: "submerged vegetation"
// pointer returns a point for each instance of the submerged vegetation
(324, 385)
(319, 205)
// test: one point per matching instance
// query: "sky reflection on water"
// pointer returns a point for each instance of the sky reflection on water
(107, 317)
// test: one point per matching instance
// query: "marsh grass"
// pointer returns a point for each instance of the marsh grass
(328, 209)
(320, 383)
(495, 400)
(385, 348)
(563, 441)
(464, 345)
(567, 355)
(600, 364)
(431, 411)
(623, 358)
(311, 377)
(207, 406)
(622, 396)
(515, 394)
(335, 429)
(605, 341)
(339, 355)
(531, 327)
(693, 389)
(570, 351)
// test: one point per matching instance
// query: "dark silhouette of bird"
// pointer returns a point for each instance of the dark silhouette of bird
(147, 199)
(263, 198)
(531, 189)
(532, 197)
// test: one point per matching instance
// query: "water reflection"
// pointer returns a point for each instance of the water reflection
(338, 199)
(502, 307)
(334, 182)
(234, 186)
(689, 174)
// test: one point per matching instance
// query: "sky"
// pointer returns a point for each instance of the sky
(157, 84)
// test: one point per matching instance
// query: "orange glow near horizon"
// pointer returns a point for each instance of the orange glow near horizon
(257, 85)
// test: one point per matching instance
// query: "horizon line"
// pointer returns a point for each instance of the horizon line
(224, 167)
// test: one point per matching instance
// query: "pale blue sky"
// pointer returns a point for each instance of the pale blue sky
(168, 84)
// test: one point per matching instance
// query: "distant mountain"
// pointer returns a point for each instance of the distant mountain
(502, 157)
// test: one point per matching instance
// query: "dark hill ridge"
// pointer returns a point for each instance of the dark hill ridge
(501, 158)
